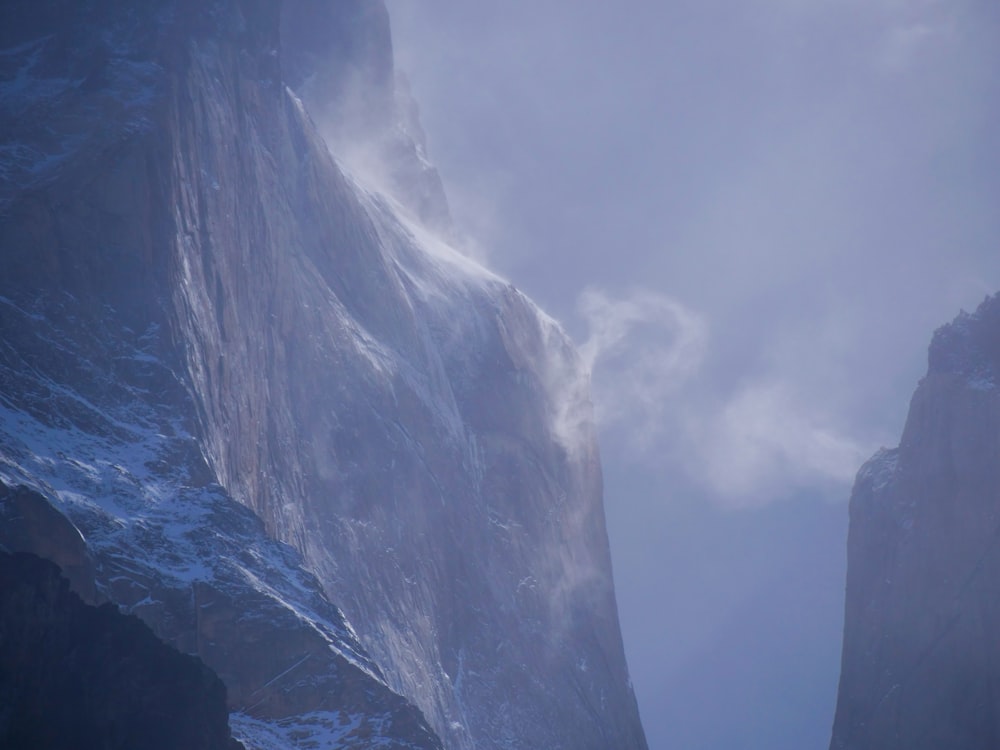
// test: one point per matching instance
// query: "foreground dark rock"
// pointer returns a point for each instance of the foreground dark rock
(921, 659)
(28, 523)
(73, 675)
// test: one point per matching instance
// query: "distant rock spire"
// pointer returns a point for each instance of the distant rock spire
(921, 657)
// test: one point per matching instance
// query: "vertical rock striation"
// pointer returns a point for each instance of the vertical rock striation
(921, 658)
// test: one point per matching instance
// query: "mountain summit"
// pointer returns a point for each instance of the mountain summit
(277, 416)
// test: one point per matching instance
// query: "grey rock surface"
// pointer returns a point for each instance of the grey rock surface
(921, 658)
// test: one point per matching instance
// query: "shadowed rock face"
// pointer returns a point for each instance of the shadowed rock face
(72, 675)
(921, 659)
(30, 524)
(201, 307)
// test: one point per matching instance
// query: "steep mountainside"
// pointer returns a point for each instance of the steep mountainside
(921, 658)
(209, 318)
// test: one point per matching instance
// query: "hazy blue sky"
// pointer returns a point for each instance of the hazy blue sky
(751, 215)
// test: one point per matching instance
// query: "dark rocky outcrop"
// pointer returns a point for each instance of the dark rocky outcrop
(74, 675)
(921, 658)
(30, 524)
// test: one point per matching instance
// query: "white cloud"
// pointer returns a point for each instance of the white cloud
(765, 443)
(757, 443)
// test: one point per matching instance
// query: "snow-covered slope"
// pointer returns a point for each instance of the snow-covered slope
(211, 313)
(94, 430)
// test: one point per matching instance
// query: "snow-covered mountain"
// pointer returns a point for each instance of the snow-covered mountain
(244, 375)
(921, 659)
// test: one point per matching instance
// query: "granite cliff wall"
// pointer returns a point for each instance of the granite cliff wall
(921, 658)
(200, 305)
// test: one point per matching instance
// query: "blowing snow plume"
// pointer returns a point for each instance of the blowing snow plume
(640, 351)
(340, 62)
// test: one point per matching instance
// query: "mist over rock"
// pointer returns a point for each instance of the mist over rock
(337, 56)
(276, 415)
(921, 660)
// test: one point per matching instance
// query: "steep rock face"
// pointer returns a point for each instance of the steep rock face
(410, 400)
(921, 659)
(202, 306)
(73, 675)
